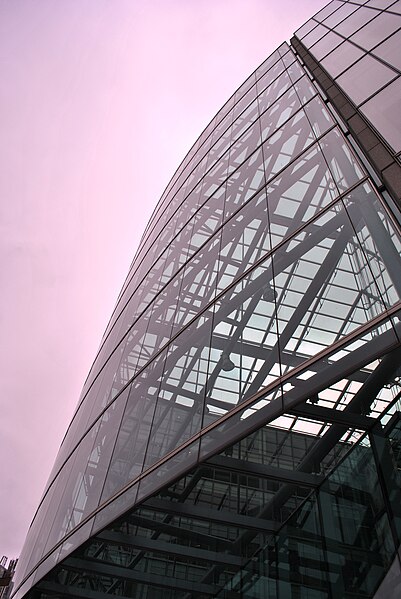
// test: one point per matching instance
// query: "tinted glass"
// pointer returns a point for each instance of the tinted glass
(384, 113)
(364, 78)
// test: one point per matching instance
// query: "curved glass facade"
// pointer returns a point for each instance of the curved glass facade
(238, 433)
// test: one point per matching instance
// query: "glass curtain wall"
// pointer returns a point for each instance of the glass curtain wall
(237, 435)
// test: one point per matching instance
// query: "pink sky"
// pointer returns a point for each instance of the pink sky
(99, 102)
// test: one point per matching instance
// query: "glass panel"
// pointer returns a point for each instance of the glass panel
(244, 182)
(219, 148)
(390, 588)
(355, 525)
(380, 3)
(179, 250)
(336, 383)
(341, 58)
(386, 445)
(289, 58)
(244, 350)
(89, 482)
(133, 435)
(318, 116)
(270, 76)
(136, 347)
(206, 221)
(396, 7)
(74, 541)
(298, 193)
(21, 571)
(380, 242)
(180, 396)
(38, 531)
(249, 115)
(390, 50)
(330, 41)
(187, 209)
(244, 98)
(222, 112)
(315, 35)
(245, 87)
(377, 30)
(178, 464)
(384, 113)
(139, 298)
(245, 239)
(343, 165)
(243, 422)
(116, 334)
(244, 146)
(67, 490)
(284, 145)
(302, 31)
(364, 78)
(199, 283)
(305, 89)
(324, 287)
(214, 178)
(328, 10)
(280, 112)
(23, 590)
(295, 71)
(47, 565)
(355, 21)
(76, 430)
(118, 506)
(273, 91)
(344, 11)
(267, 64)
(300, 557)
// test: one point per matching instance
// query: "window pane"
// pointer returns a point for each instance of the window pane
(326, 44)
(328, 10)
(305, 29)
(342, 163)
(390, 50)
(377, 30)
(303, 189)
(355, 21)
(380, 3)
(384, 113)
(314, 35)
(364, 78)
(341, 58)
(340, 14)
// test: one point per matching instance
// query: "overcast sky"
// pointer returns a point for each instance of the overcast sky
(99, 102)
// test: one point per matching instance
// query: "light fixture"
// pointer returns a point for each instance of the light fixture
(226, 363)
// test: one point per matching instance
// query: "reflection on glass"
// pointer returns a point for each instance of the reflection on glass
(342, 163)
(298, 193)
(133, 435)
